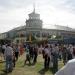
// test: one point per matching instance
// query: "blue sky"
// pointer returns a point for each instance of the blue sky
(13, 13)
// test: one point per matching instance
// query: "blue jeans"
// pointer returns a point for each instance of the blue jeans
(9, 63)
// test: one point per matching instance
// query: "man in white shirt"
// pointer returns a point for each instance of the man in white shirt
(8, 54)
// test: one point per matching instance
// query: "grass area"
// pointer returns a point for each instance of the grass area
(20, 69)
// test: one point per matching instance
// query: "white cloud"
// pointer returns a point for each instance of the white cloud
(13, 13)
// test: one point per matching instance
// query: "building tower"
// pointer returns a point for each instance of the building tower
(34, 20)
(33, 25)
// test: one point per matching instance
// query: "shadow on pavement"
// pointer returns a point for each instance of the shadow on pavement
(27, 64)
(4, 72)
(51, 70)
(43, 71)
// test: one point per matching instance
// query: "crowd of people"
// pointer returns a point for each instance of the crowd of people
(51, 53)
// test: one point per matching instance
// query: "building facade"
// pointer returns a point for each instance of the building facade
(34, 27)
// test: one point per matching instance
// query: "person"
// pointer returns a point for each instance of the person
(60, 53)
(31, 52)
(21, 49)
(69, 68)
(64, 55)
(55, 58)
(40, 48)
(46, 57)
(8, 54)
(14, 58)
(1, 53)
(51, 57)
(16, 52)
(27, 56)
(3, 48)
(35, 54)
(69, 52)
(73, 52)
